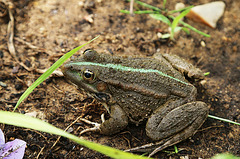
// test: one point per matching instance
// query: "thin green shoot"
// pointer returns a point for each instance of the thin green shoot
(175, 148)
(164, 4)
(190, 27)
(186, 30)
(172, 152)
(225, 120)
(148, 6)
(179, 10)
(21, 120)
(161, 18)
(176, 21)
(206, 73)
(139, 12)
(158, 14)
(49, 71)
(167, 35)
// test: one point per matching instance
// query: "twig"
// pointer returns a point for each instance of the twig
(31, 46)
(10, 30)
(26, 43)
(131, 7)
(56, 72)
(40, 152)
(68, 128)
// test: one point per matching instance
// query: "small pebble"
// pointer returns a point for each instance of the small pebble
(89, 18)
(70, 130)
(179, 6)
(203, 44)
(32, 114)
(15, 69)
(159, 35)
(3, 84)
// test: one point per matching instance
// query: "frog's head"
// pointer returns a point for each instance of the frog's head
(83, 71)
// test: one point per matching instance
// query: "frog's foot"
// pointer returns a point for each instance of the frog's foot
(144, 148)
(95, 128)
(152, 147)
(118, 121)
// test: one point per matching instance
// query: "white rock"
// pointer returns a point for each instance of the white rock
(32, 114)
(37, 114)
(179, 6)
(208, 13)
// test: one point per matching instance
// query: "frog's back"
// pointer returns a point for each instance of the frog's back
(141, 85)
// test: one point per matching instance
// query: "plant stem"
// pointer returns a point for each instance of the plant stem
(222, 119)
(190, 27)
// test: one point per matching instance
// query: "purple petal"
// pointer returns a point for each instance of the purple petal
(13, 150)
(2, 139)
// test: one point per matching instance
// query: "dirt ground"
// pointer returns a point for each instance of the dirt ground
(45, 30)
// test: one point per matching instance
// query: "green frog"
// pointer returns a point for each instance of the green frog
(138, 89)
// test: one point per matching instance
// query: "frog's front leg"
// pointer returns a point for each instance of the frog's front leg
(118, 121)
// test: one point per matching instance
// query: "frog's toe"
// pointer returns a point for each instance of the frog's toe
(95, 128)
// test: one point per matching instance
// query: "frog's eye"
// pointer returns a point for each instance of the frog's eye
(90, 55)
(88, 75)
(87, 50)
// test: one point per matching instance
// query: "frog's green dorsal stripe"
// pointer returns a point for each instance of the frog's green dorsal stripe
(125, 68)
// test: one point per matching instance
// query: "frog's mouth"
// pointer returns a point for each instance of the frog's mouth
(103, 97)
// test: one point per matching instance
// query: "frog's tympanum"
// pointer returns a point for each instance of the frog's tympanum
(137, 89)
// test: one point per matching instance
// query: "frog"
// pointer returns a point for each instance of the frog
(135, 89)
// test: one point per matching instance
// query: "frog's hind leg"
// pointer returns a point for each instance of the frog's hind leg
(169, 127)
(177, 125)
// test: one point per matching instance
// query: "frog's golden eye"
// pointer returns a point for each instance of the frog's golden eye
(88, 75)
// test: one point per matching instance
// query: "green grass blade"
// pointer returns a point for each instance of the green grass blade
(190, 27)
(179, 10)
(176, 21)
(164, 3)
(161, 18)
(222, 119)
(148, 6)
(49, 71)
(225, 156)
(139, 12)
(125, 11)
(186, 30)
(21, 120)
(206, 73)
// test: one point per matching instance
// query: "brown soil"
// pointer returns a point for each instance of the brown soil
(45, 30)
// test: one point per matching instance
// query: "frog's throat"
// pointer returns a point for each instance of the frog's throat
(125, 68)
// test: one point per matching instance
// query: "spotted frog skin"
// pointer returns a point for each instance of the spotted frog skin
(137, 89)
